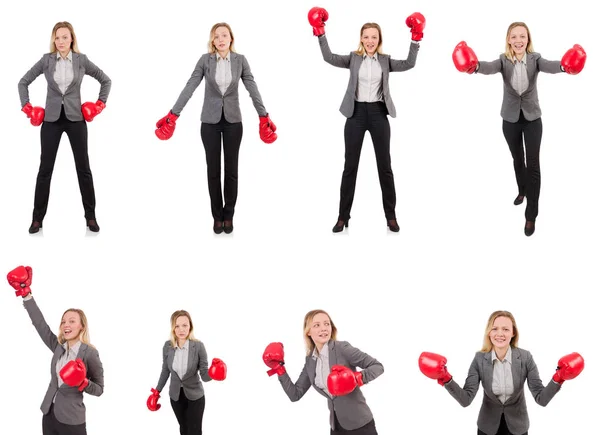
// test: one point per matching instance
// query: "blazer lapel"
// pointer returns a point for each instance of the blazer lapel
(488, 375)
(333, 360)
(311, 368)
(75, 72)
(236, 71)
(191, 358)
(530, 69)
(51, 71)
(170, 357)
(517, 372)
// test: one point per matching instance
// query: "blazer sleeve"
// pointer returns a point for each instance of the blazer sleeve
(542, 395)
(548, 66)
(190, 87)
(466, 394)
(95, 374)
(47, 336)
(488, 68)
(250, 84)
(409, 63)
(332, 59)
(295, 391)
(203, 363)
(105, 83)
(371, 368)
(165, 372)
(35, 71)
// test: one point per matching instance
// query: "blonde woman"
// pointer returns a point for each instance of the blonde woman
(75, 366)
(502, 369)
(521, 113)
(221, 119)
(185, 361)
(330, 368)
(64, 68)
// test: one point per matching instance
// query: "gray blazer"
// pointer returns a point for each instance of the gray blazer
(515, 408)
(512, 102)
(352, 410)
(353, 61)
(197, 362)
(68, 404)
(54, 97)
(214, 101)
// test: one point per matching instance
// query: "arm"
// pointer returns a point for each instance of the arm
(164, 374)
(295, 391)
(37, 318)
(409, 63)
(332, 59)
(466, 394)
(549, 66)
(488, 68)
(95, 374)
(27, 79)
(541, 394)
(93, 71)
(250, 84)
(371, 368)
(203, 363)
(191, 85)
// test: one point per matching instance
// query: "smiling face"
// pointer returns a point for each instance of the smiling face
(320, 329)
(63, 40)
(71, 326)
(518, 39)
(222, 40)
(370, 40)
(501, 334)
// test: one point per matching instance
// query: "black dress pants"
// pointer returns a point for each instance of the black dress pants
(502, 430)
(189, 414)
(371, 117)
(231, 136)
(51, 426)
(367, 429)
(51, 133)
(526, 162)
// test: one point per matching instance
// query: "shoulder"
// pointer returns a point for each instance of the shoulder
(521, 353)
(343, 345)
(535, 55)
(167, 345)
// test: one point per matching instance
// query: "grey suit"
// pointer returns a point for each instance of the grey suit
(512, 102)
(68, 404)
(197, 362)
(515, 409)
(351, 410)
(353, 61)
(215, 102)
(72, 97)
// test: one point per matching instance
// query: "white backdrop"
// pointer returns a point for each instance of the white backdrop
(460, 254)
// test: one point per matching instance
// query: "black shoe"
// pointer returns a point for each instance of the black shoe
(35, 227)
(529, 228)
(393, 225)
(519, 200)
(339, 226)
(93, 225)
(228, 227)
(218, 227)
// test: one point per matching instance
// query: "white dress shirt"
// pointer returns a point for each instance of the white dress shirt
(322, 370)
(180, 360)
(369, 89)
(63, 76)
(223, 74)
(502, 382)
(519, 80)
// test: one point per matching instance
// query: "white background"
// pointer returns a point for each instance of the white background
(460, 254)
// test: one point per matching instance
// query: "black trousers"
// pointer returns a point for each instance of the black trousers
(51, 426)
(189, 414)
(231, 136)
(371, 117)
(526, 162)
(367, 429)
(502, 430)
(51, 133)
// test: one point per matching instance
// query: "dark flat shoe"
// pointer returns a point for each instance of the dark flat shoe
(519, 200)
(35, 227)
(218, 227)
(228, 227)
(529, 228)
(92, 224)
(393, 225)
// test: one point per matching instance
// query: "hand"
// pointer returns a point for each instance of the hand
(273, 358)
(317, 17)
(152, 402)
(416, 22)
(35, 114)
(433, 366)
(91, 110)
(74, 374)
(574, 60)
(165, 127)
(218, 370)
(342, 380)
(20, 279)
(569, 367)
(464, 58)
(266, 129)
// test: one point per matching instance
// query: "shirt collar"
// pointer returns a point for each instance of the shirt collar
(524, 61)
(69, 56)
(507, 358)
(374, 56)
(74, 348)
(227, 58)
(324, 351)
(185, 346)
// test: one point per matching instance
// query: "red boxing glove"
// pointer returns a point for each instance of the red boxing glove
(342, 380)
(464, 58)
(266, 129)
(165, 127)
(574, 60)
(218, 370)
(317, 17)
(416, 22)
(20, 279)
(433, 366)
(35, 114)
(569, 367)
(152, 402)
(90, 110)
(273, 358)
(74, 374)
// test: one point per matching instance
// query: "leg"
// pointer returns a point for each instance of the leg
(48, 424)
(211, 138)
(533, 141)
(180, 408)
(194, 415)
(232, 138)
(78, 136)
(513, 133)
(50, 139)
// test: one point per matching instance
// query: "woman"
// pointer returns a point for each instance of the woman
(521, 112)
(502, 368)
(366, 104)
(64, 68)
(221, 118)
(183, 358)
(330, 368)
(75, 366)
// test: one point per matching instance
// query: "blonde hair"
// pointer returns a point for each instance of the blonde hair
(310, 344)
(487, 343)
(508, 51)
(211, 46)
(84, 334)
(361, 49)
(177, 314)
(63, 25)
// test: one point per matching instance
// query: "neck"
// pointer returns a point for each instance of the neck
(181, 342)
(64, 54)
(72, 342)
(501, 353)
(520, 56)
(319, 346)
(223, 54)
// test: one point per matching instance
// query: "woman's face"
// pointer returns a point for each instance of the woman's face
(517, 38)
(70, 325)
(320, 329)
(370, 40)
(182, 328)
(62, 40)
(222, 39)
(502, 333)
